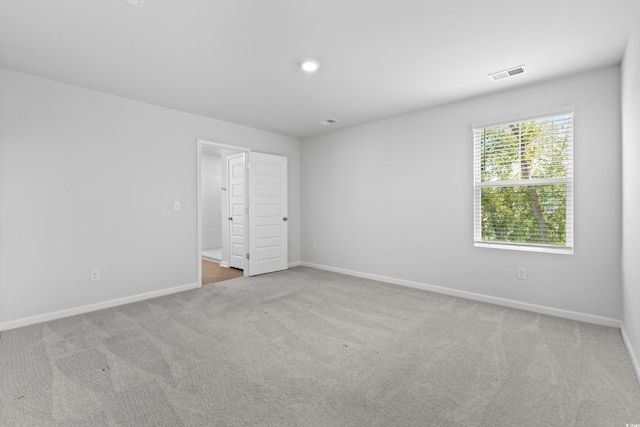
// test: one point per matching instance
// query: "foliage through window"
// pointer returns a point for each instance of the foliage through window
(524, 184)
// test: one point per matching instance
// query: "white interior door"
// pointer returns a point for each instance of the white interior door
(237, 213)
(267, 213)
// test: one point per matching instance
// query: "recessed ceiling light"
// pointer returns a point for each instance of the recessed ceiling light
(508, 73)
(310, 66)
(135, 2)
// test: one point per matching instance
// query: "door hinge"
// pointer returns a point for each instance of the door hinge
(248, 256)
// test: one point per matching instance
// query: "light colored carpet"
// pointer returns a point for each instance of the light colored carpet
(305, 347)
(212, 272)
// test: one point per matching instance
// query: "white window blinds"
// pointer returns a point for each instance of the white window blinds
(523, 182)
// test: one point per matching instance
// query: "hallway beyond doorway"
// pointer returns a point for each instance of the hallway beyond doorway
(212, 254)
(212, 272)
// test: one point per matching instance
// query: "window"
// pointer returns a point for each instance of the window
(523, 184)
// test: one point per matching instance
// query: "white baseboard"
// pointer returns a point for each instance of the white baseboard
(632, 354)
(582, 317)
(26, 321)
(295, 264)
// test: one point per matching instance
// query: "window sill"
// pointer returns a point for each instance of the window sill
(564, 250)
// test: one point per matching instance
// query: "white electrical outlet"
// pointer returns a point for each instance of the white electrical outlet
(95, 274)
(176, 206)
(522, 273)
(314, 245)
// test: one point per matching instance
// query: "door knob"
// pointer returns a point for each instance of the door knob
(285, 219)
(230, 218)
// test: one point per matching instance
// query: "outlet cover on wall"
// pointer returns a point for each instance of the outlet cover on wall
(95, 274)
(522, 273)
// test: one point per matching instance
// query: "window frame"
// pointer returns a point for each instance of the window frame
(568, 248)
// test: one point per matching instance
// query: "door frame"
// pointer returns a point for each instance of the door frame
(201, 143)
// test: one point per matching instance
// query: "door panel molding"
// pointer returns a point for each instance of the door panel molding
(236, 175)
(268, 230)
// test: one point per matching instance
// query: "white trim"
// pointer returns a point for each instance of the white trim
(26, 321)
(539, 114)
(582, 317)
(635, 362)
(199, 146)
(563, 250)
(295, 264)
(204, 142)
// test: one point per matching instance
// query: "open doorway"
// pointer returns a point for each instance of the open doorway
(211, 194)
(254, 209)
(218, 238)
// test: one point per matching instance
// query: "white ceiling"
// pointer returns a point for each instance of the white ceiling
(237, 60)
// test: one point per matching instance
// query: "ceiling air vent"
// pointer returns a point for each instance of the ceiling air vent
(330, 122)
(508, 73)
